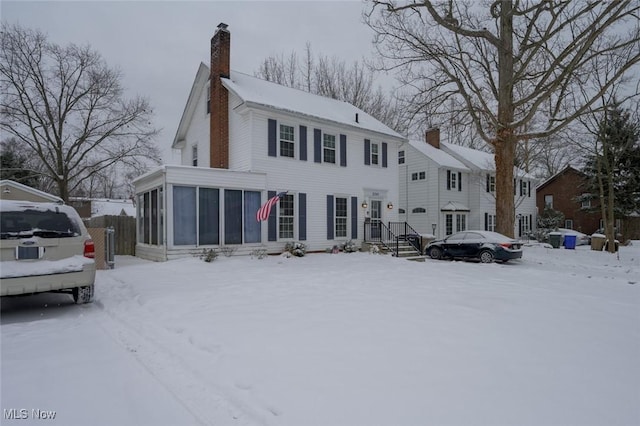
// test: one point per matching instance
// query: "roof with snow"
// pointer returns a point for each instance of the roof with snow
(478, 159)
(107, 207)
(437, 155)
(257, 92)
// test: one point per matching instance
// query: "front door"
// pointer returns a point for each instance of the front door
(376, 218)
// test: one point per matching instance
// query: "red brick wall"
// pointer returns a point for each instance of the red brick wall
(566, 188)
(219, 116)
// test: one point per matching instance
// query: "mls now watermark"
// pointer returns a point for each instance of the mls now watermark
(24, 414)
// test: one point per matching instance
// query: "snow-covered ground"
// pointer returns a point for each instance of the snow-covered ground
(345, 339)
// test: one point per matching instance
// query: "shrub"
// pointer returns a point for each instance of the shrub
(296, 248)
(208, 255)
(350, 247)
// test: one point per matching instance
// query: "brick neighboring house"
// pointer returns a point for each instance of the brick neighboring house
(566, 192)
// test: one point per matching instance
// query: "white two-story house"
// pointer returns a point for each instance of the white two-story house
(447, 188)
(243, 140)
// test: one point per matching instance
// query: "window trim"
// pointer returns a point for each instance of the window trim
(282, 141)
(344, 218)
(548, 204)
(401, 157)
(326, 149)
(281, 216)
(375, 156)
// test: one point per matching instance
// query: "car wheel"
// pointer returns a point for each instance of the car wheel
(83, 294)
(486, 257)
(435, 253)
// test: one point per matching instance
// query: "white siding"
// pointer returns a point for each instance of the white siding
(239, 135)
(318, 180)
(197, 134)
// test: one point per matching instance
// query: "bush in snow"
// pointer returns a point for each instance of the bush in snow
(548, 221)
(208, 255)
(350, 247)
(296, 248)
(228, 251)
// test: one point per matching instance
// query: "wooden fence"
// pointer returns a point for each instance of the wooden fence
(125, 231)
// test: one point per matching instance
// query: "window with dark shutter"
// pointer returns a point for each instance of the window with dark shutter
(329, 217)
(272, 135)
(317, 146)
(303, 143)
(302, 216)
(367, 152)
(384, 154)
(343, 150)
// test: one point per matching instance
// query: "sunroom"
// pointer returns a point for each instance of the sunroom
(181, 210)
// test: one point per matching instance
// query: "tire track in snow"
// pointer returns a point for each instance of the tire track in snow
(207, 402)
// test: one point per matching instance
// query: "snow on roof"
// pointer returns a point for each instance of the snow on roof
(479, 159)
(253, 90)
(106, 207)
(437, 155)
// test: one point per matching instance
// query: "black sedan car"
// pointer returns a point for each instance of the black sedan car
(484, 245)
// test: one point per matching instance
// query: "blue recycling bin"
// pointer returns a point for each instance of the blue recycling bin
(570, 241)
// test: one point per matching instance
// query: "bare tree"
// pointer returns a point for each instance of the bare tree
(334, 78)
(67, 107)
(509, 62)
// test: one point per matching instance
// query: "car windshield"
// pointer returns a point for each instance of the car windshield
(40, 223)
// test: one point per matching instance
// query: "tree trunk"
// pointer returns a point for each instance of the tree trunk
(505, 152)
(609, 224)
(506, 139)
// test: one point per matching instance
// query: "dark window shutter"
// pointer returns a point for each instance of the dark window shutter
(317, 145)
(354, 218)
(367, 152)
(272, 137)
(486, 221)
(529, 188)
(272, 225)
(459, 181)
(384, 154)
(303, 143)
(488, 184)
(530, 222)
(302, 216)
(343, 150)
(514, 186)
(329, 217)
(448, 179)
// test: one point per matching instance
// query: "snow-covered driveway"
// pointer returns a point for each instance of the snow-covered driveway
(348, 339)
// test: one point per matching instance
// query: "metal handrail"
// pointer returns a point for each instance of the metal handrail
(373, 234)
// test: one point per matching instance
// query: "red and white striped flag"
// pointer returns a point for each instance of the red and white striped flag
(265, 209)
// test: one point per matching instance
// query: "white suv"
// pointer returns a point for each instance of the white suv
(45, 247)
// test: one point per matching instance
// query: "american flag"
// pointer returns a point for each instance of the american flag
(265, 209)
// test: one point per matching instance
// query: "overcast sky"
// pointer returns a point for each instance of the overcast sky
(158, 45)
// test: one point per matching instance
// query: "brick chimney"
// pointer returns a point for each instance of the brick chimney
(219, 115)
(432, 137)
